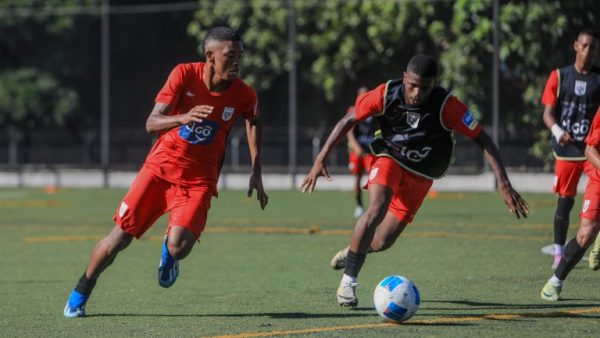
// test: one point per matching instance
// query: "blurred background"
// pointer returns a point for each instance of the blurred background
(78, 78)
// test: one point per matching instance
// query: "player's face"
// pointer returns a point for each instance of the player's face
(417, 88)
(587, 49)
(226, 57)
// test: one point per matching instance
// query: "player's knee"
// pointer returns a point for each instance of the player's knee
(180, 250)
(587, 232)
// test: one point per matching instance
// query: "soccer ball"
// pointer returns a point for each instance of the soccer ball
(396, 298)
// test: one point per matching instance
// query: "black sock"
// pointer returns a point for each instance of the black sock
(561, 219)
(572, 256)
(354, 262)
(85, 285)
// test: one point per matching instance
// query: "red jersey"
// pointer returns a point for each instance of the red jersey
(192, 154)
(455, 114)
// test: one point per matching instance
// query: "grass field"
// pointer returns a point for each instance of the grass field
(265, 273)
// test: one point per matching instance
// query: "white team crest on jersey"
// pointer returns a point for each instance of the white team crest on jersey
(373, 173)
(586, 205)
(580, 87)
(413, 119)
(227, 113)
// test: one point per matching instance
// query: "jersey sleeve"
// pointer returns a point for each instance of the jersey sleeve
(593, 138)
(252, 108)
(369, 103)
(457, 116)
(171, 89)
(550, 95)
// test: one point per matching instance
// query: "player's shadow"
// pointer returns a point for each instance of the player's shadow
(562, 309)
(275, 315)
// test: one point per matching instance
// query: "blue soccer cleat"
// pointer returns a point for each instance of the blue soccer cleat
(168, 267)
(75, 305)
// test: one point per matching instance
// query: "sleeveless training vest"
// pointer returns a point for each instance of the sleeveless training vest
(578, 99)
(364, 132)
(415, 137)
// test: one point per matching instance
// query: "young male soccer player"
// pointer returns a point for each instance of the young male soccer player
(359, 153)
(417, 119)
(194, 112)
(570, 99)
(590, 219)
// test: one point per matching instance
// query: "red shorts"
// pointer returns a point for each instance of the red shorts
(409, 189)
(590, 208)
(566, 177)
(150, 197)
(358, 165)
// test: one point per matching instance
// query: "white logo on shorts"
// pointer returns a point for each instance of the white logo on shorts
(373, 173)
(586, 205)
(123, 208)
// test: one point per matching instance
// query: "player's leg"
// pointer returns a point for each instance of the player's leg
(357, 190)
(364, 230)
(576, 247)
(384, 179)
(567, 175)
(356, 168)
(102, 257)
(189, 208)
(136, 213)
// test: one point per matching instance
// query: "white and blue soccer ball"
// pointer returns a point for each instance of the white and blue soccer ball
(396, 298)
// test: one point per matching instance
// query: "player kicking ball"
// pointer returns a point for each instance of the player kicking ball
(193, 114)
(417, 119)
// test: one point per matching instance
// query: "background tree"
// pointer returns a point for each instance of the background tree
(536, 37)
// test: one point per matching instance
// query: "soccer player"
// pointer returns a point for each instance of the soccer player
(570, 99)
(359, 153)
(417, 120)
(193, 114)
(590, 218)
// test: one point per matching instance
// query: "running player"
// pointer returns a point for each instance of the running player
(417, 119)
(193, 114)
(590, 219)
(570, 99)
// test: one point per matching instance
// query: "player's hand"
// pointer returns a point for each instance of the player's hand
(196, 114)
(256, 183)
(565, 138)
(310, 180)
(358, 151)
(515, 203)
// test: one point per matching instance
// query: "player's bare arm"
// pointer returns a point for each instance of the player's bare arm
(254, 135)
(516, 204)
(159, 120)
(318, 169)
(561, 136)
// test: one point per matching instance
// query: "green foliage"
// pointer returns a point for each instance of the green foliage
(535, 38)
(337, 40)
(30, 98)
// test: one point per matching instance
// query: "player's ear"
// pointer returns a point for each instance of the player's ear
(210, 56)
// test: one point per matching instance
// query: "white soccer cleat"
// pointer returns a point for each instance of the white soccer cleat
(338, 261)
(346, 294)
(358, 211)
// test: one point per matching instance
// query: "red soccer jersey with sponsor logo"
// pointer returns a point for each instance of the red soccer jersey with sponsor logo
(192, 154)
(455, 114)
